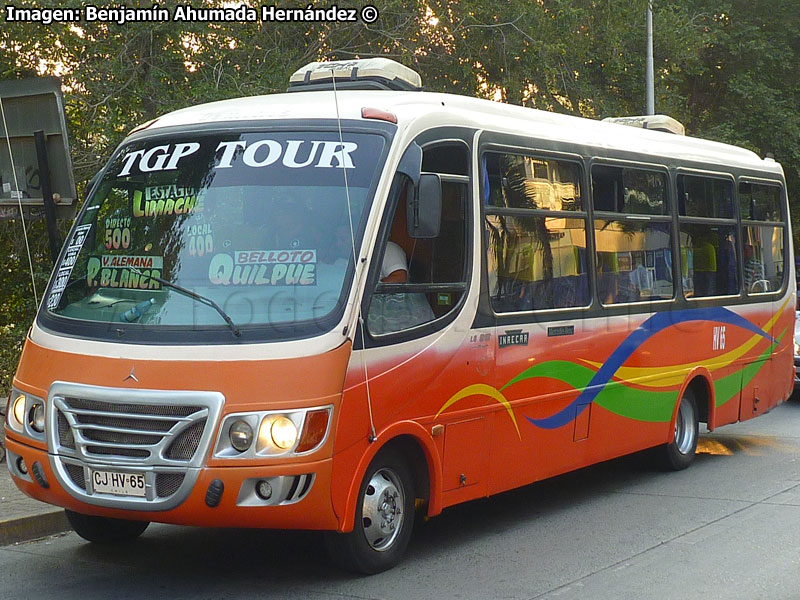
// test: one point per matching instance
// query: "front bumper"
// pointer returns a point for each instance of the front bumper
(239, 506)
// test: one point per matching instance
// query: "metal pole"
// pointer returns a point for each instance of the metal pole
(47, 194)
(651, 109)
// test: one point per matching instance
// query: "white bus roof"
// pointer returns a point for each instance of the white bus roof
(435, 109)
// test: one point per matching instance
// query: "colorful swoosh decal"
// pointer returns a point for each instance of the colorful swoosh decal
(481, 389)
(655, 324)
(618, 389)
(671, 375)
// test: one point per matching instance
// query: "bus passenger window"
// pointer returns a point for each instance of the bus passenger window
(633, 253)
(706, 214)
(762, 237)
(536, 259)
(708, 260)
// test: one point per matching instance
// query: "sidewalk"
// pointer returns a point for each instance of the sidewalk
(23, 518)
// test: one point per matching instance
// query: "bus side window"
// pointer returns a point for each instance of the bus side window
(536, 233)
(435, 272)
(709, 263)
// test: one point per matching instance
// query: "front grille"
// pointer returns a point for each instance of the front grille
(76, 474)
(64, 432)
(186, 443)
(164, 435)
(143, 409)
(130, 430)
(168, 483)
(127, 452)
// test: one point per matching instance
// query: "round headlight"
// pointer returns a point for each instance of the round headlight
(19, 409)
(241, 435)
(283, 433)
(36, 420)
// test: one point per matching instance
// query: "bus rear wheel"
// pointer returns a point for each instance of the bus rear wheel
(679, 453)
(104, 530)
(384, 519)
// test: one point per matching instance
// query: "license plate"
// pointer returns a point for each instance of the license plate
(121, 484)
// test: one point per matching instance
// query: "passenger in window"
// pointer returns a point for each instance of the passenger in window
(395, 312)
(705, 267)
(394, 268)
(640, 280)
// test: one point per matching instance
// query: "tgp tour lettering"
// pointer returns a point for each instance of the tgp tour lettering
(131, 272)
(166, 200)
(293, 154)
(264, 267)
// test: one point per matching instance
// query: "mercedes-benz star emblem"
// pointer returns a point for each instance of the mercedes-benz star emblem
(132, 376)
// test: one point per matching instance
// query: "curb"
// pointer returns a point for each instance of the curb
(25, 529)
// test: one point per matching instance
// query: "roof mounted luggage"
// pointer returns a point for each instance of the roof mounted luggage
(362, 74)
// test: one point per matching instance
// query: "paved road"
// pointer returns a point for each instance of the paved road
(729, 527)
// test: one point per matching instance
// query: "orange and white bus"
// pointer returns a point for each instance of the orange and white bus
(331, 308)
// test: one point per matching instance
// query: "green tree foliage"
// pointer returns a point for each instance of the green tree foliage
(724, 68)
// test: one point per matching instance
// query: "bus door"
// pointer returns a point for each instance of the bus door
(418, 319)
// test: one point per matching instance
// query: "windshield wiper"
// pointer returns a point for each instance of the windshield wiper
(196, 296)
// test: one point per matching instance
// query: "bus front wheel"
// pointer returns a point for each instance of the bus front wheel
(383, 522)
(104, 530)
(679, 453)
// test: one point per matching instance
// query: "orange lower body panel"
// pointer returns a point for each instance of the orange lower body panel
(314, 511)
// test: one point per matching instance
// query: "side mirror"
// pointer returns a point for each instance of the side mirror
(411, 162)
(424, 207)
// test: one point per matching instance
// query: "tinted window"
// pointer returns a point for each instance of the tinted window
(517, 181)
(629, 191)
(763, 258)
(708, 260)
(634, 261)
(536, 262)
(759, 202)
(705, 197)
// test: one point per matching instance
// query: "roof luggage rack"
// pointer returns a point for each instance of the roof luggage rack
(652, 122)
(362, 74)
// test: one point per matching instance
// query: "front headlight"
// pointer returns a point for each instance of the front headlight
(36, 420)
(283, 433)
(19, 410)
(279, 433)
(26, 414)
(241, 435)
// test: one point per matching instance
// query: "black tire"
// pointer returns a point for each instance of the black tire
(104, 530)
(387, 493)
(680, 452)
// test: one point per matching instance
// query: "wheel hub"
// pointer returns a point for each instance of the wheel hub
(382, 511)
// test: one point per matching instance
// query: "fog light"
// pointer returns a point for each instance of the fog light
(19, 409)
(264, 489)
(241, 435)
(21, 466)
(283, 433)
(36, 419)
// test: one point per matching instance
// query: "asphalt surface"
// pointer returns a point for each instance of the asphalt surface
(728, 527)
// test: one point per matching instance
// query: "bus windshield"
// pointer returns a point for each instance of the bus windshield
(257, 223)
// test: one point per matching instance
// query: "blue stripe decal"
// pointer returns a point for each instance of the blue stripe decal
(655, 324)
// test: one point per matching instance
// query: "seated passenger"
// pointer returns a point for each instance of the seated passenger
(395, 312)
(394, 268)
